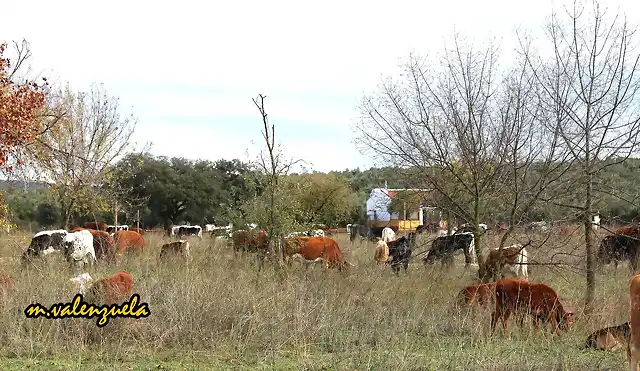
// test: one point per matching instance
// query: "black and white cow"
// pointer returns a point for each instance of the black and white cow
(444, 248)
(115, 228)
(189, 230)
(399, 254)
(469, 228)
(311, 233)
(76, 246)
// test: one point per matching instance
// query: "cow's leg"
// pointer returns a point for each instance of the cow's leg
(494, 320)
(505, 322)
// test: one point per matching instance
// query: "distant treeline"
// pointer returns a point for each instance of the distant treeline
(175, 190)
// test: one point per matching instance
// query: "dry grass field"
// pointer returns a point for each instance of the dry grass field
(220, 313)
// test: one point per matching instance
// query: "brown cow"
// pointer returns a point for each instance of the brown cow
(633, 346)
(179, 248)
(114, 289)
(536, 299)
(477, 295)
(98, 226)
(381, 255)
(628, 230)
(609, 338)
(515, 257)
(325, 248)
(252, 241)
(125, 240)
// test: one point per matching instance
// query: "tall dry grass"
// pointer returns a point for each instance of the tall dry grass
(222, 308)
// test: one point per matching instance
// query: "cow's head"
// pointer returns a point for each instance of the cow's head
(566, 321)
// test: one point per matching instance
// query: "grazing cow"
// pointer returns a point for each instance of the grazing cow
(114, 289)
(79, 247)
(209, 227)
(250, 241)
(388, 235)
(76, 246)
(477, 295)
(617, 248)
(103, 243)
(444, 248)
(536, 299)
(189, 230)
(359, 230)
(609, 338)
(633, 346)
(81, 281)
(126, 240)
(45, 243)
(325, 248)
(179, 248)
(382, 252)
(399, 254)
(515, 257)
(98, 226)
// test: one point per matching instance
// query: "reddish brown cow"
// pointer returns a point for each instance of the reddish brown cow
(250, 240)
(477, 295)
(536, 299)
(114, 289)
(98, 226)
(629, 230)
(325, 248)
(126, 240)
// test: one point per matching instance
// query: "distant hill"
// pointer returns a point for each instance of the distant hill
(9, 184)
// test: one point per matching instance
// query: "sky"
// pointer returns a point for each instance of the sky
(188, 70)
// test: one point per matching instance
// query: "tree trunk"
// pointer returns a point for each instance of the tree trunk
(588, 233)
(65, 210)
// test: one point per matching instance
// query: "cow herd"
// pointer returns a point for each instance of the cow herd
(516, 296)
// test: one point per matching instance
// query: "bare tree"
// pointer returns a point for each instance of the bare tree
(590, 83)
(446, 128)
(274, 165)
(76, 153)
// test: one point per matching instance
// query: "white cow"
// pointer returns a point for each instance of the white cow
(81, 247)
(388, 235)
